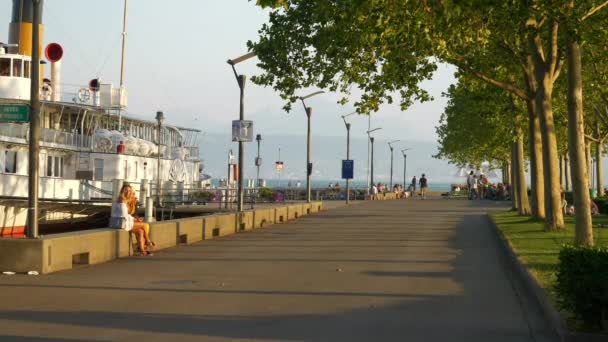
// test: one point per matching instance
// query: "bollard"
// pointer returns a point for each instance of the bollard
(180, 192)
(144, 192)
(149, 215)
(116, 185)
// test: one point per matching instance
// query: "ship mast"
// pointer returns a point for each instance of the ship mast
(122, 59)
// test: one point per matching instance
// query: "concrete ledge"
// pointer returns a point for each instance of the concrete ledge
(245, 220)
(20, 255)
(219, 225)
(263, 218)
(294, 211)
(306, 209)
(164, 234)
(60, 252)
(280, 214)
(551, 314)
(190, 230)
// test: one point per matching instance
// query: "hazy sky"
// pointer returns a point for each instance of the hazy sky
(176, 61)
(176, 56)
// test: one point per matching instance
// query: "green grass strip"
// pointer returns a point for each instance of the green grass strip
(537, 249)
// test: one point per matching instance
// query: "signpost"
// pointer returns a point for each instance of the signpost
(14, 113)
(348, 169)
(242, 130)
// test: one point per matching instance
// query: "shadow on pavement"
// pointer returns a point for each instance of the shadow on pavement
(477, 301)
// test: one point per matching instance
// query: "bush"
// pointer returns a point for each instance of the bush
(202, 196)
(582, 284)
(265, 193)
(602, 204)
(569, 197)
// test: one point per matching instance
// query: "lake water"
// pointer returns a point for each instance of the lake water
(317, 184)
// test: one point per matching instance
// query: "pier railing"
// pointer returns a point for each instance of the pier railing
(226, 198)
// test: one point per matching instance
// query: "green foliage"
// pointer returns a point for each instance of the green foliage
(265, 193)
(201, 196)
(381, 47)
(582, 284)
(477, 124)
(602, 204)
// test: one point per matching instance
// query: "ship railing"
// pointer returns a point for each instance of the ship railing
(65, 138)
(193, 152)
(14, 130)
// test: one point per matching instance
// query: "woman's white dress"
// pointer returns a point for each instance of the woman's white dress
(120, 218)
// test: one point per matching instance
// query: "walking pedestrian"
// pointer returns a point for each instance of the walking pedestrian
(423, 186)
(413, 187)
(470, 182)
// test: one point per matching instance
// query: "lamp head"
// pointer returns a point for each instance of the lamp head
(242, 58)
(311, 95)
(160, 117)
(258, 137)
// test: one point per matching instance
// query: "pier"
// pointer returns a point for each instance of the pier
(401, 270)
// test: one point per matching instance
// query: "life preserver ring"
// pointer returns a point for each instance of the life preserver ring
(84, 95)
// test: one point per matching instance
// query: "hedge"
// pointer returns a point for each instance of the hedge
(582, 284)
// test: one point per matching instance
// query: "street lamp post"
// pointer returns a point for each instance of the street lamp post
(347, 152)
(34, 143)
(404, 166)
(390, 145)
(258, 160)
(241, 82)
(371, 140)
(230, 163)
(308, 163)
(160, 118)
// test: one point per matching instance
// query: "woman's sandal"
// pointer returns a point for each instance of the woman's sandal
(146, 253)
(151, 244)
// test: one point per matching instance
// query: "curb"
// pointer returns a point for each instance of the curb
(557, 323)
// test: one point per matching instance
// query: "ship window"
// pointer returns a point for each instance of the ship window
(99, 169)
(49, 166)
(26, 69)
(58, 166)
(5, 67)
(10, 161)
(126, 170)
(17, 64)
(54, 166)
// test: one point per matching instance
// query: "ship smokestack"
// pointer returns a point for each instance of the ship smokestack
(54, 53)
(20, 28)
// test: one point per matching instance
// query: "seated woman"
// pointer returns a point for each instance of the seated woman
(594, 209)
(122, 217)
(564, 204)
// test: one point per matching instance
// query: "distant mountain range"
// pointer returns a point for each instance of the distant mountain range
(327, 154)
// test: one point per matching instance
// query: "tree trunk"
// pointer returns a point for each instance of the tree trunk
(520, 172)
(576, 144)
(537, 183)
(599, 168)
(514, 193)
(561, 171)
(567, 172)
(554, 219)
(588, 161)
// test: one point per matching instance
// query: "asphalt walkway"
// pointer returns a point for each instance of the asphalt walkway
(376, 271)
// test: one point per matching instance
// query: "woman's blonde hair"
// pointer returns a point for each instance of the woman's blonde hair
(127, 196)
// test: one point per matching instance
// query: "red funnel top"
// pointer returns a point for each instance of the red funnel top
(53, 52)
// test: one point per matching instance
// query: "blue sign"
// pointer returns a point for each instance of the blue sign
(348, 169)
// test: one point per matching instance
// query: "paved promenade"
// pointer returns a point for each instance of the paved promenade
(376, 271)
